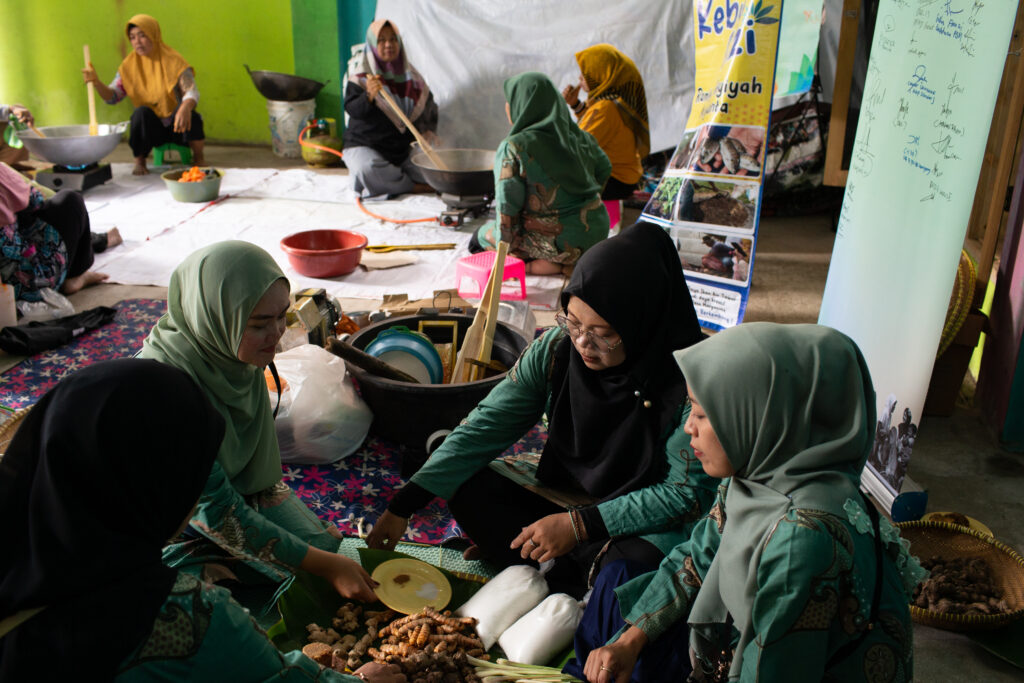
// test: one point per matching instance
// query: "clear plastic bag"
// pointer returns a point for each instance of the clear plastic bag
(53, 305)
(321, 418)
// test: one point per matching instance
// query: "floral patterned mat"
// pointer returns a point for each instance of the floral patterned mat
(26, 382)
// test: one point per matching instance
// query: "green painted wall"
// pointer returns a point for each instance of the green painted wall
(41, 56)
(315, 31)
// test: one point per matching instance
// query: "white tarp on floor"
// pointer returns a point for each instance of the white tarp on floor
(465, 49)
(262, 206)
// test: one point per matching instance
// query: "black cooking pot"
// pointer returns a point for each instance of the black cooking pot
(407, 413)
(470, 171)
(284, 87)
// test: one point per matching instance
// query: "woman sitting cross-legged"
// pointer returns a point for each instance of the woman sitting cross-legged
(792, 576)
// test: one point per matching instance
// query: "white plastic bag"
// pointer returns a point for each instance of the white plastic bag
(542, 632)
(321, 418)
(502, 600)
(52, 305)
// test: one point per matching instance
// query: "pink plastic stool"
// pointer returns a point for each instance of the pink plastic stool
(614, 208)
(477, 267)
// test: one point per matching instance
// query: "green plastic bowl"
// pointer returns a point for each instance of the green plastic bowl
(201, 191)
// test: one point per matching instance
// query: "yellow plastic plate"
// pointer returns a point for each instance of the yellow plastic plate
(975, 524)
(408, 585)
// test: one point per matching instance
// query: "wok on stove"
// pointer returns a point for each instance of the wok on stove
(471, 171)
(72, 145)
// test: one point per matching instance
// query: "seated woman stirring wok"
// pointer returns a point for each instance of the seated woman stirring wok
(226, 308)
(376, 140)
(792, 576)
(162, 87)
(615, 113)
(615, 405)
(548, 176)
(46, 243)
(99, 475)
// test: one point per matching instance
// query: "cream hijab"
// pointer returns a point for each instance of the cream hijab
(211, 296)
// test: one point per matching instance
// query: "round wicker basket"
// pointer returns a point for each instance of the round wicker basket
(9, 427)
(949, 541)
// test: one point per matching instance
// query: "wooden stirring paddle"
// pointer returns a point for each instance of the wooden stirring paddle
(36, 130)
(94, 128)
(424, 145)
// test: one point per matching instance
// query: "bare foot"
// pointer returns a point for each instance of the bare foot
(113, 238)
(79, 282)
(541, 267)
(140, 168)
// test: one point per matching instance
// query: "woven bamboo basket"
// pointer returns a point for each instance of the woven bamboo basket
(9, 427)
(950, 541)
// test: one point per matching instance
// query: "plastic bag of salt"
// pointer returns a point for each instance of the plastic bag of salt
(542, 632)
(503, 599)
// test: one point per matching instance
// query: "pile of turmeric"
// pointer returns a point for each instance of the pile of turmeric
(429, 646)
(963, 585)
(192, 175)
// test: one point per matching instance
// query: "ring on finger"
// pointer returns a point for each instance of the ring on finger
(605, 668)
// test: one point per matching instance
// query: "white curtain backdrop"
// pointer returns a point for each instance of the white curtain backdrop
(465, 49)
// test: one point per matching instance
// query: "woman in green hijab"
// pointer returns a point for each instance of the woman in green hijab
(226, 308)
(791, 576)
(548, 178)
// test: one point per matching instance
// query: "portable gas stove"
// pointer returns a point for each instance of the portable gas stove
(78, 178)
(459, 208)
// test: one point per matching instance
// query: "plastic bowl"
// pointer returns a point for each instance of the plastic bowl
(200, 191)
(324, 253)
(410, 351)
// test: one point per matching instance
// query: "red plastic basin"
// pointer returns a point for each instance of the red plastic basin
(324, 253)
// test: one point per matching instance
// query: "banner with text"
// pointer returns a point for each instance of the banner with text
(798, 46)
(928, 100)
(710, 196)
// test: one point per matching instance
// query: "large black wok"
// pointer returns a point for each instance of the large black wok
(470, 174)
(284, 87)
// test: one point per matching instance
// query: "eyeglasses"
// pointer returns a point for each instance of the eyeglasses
(574, 330)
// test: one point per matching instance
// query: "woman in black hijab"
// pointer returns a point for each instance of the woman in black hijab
(103, 471)
(615, 402)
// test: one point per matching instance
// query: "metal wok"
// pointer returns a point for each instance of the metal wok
(72, 145)
(284, 87)
(471, 171)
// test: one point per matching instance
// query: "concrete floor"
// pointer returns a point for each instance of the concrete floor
(957, 459)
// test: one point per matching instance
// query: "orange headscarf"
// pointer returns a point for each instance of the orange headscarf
(611, 75)
(149, 81)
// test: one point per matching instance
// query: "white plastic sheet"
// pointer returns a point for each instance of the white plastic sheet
(465, 49)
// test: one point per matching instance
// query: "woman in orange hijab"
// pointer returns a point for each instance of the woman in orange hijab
(615, 113)
(162, 86)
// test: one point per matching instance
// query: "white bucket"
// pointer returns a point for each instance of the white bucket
(286, 120)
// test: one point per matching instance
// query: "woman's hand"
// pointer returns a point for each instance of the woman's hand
(89, 75)
(183, 117)
(547, 538)
(387, 531)
(22, 114)
(571, 93)
(348, 578)
(375, 672)
(373, 86)
(615, 662)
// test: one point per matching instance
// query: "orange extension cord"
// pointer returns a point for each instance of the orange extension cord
(359, 201)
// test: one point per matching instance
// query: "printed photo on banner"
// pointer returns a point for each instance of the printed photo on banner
(704, 202)
(716, 256)
(722, 150)
(662, 205)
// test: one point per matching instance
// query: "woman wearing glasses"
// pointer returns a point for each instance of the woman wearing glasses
(615, 403)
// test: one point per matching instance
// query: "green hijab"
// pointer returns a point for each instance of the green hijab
(211, 296)
(543, 130)
(794, 409)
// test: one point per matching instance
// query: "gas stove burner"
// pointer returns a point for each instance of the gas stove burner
(463, 207)
(79, 178)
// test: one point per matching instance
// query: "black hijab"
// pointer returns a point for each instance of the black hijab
(601, 431)
(102, 471)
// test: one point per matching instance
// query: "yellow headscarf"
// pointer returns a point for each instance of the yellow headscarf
(149, 81)
(611, 75)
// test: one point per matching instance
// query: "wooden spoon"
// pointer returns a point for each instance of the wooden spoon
(94, 128)
(424, 145)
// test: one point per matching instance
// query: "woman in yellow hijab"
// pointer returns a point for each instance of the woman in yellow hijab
(615, 113)
(162, 86)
